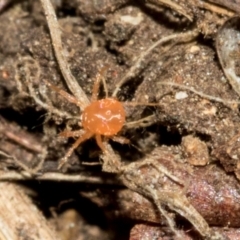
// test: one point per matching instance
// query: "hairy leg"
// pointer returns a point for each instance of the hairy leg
(67, 133)
(120, 139)
(81, 139)
(64, 94)
(100, 142)
(96, 85)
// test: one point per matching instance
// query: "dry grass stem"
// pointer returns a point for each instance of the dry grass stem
(175, 38)
(201, 94)
(54, 29)
(214, 8)
(230, 4)
(143, 122)
(176, 7)
(29, 171)
(16, 175)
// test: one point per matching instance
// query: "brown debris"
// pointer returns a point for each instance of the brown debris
(20, 219)
(195, 151)
(143, 231)
(213, 194)
(156, 52)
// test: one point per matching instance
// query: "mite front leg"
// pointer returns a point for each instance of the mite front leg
(81, 139)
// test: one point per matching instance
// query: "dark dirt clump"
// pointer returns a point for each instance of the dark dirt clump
(178, 175)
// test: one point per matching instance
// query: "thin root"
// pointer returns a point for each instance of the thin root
(176, 7)
(87, 178)
(29, 171)
(201, 94)
(29, 79)
(54, 29)
(176, 38)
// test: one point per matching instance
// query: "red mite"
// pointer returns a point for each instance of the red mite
(104, 117)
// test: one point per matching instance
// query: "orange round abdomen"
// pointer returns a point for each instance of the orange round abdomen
(105, 117)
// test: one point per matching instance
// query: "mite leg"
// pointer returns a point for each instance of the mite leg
(96, 85)
(81, 139)
(100, 142)
(64, 94)
(120, 139)
(67, 133)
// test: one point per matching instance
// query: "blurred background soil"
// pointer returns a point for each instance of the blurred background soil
(200, 134)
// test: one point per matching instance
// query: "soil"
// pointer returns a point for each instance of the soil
(199, 134)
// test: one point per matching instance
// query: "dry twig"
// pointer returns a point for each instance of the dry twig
(20, 219)
(54, 29)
